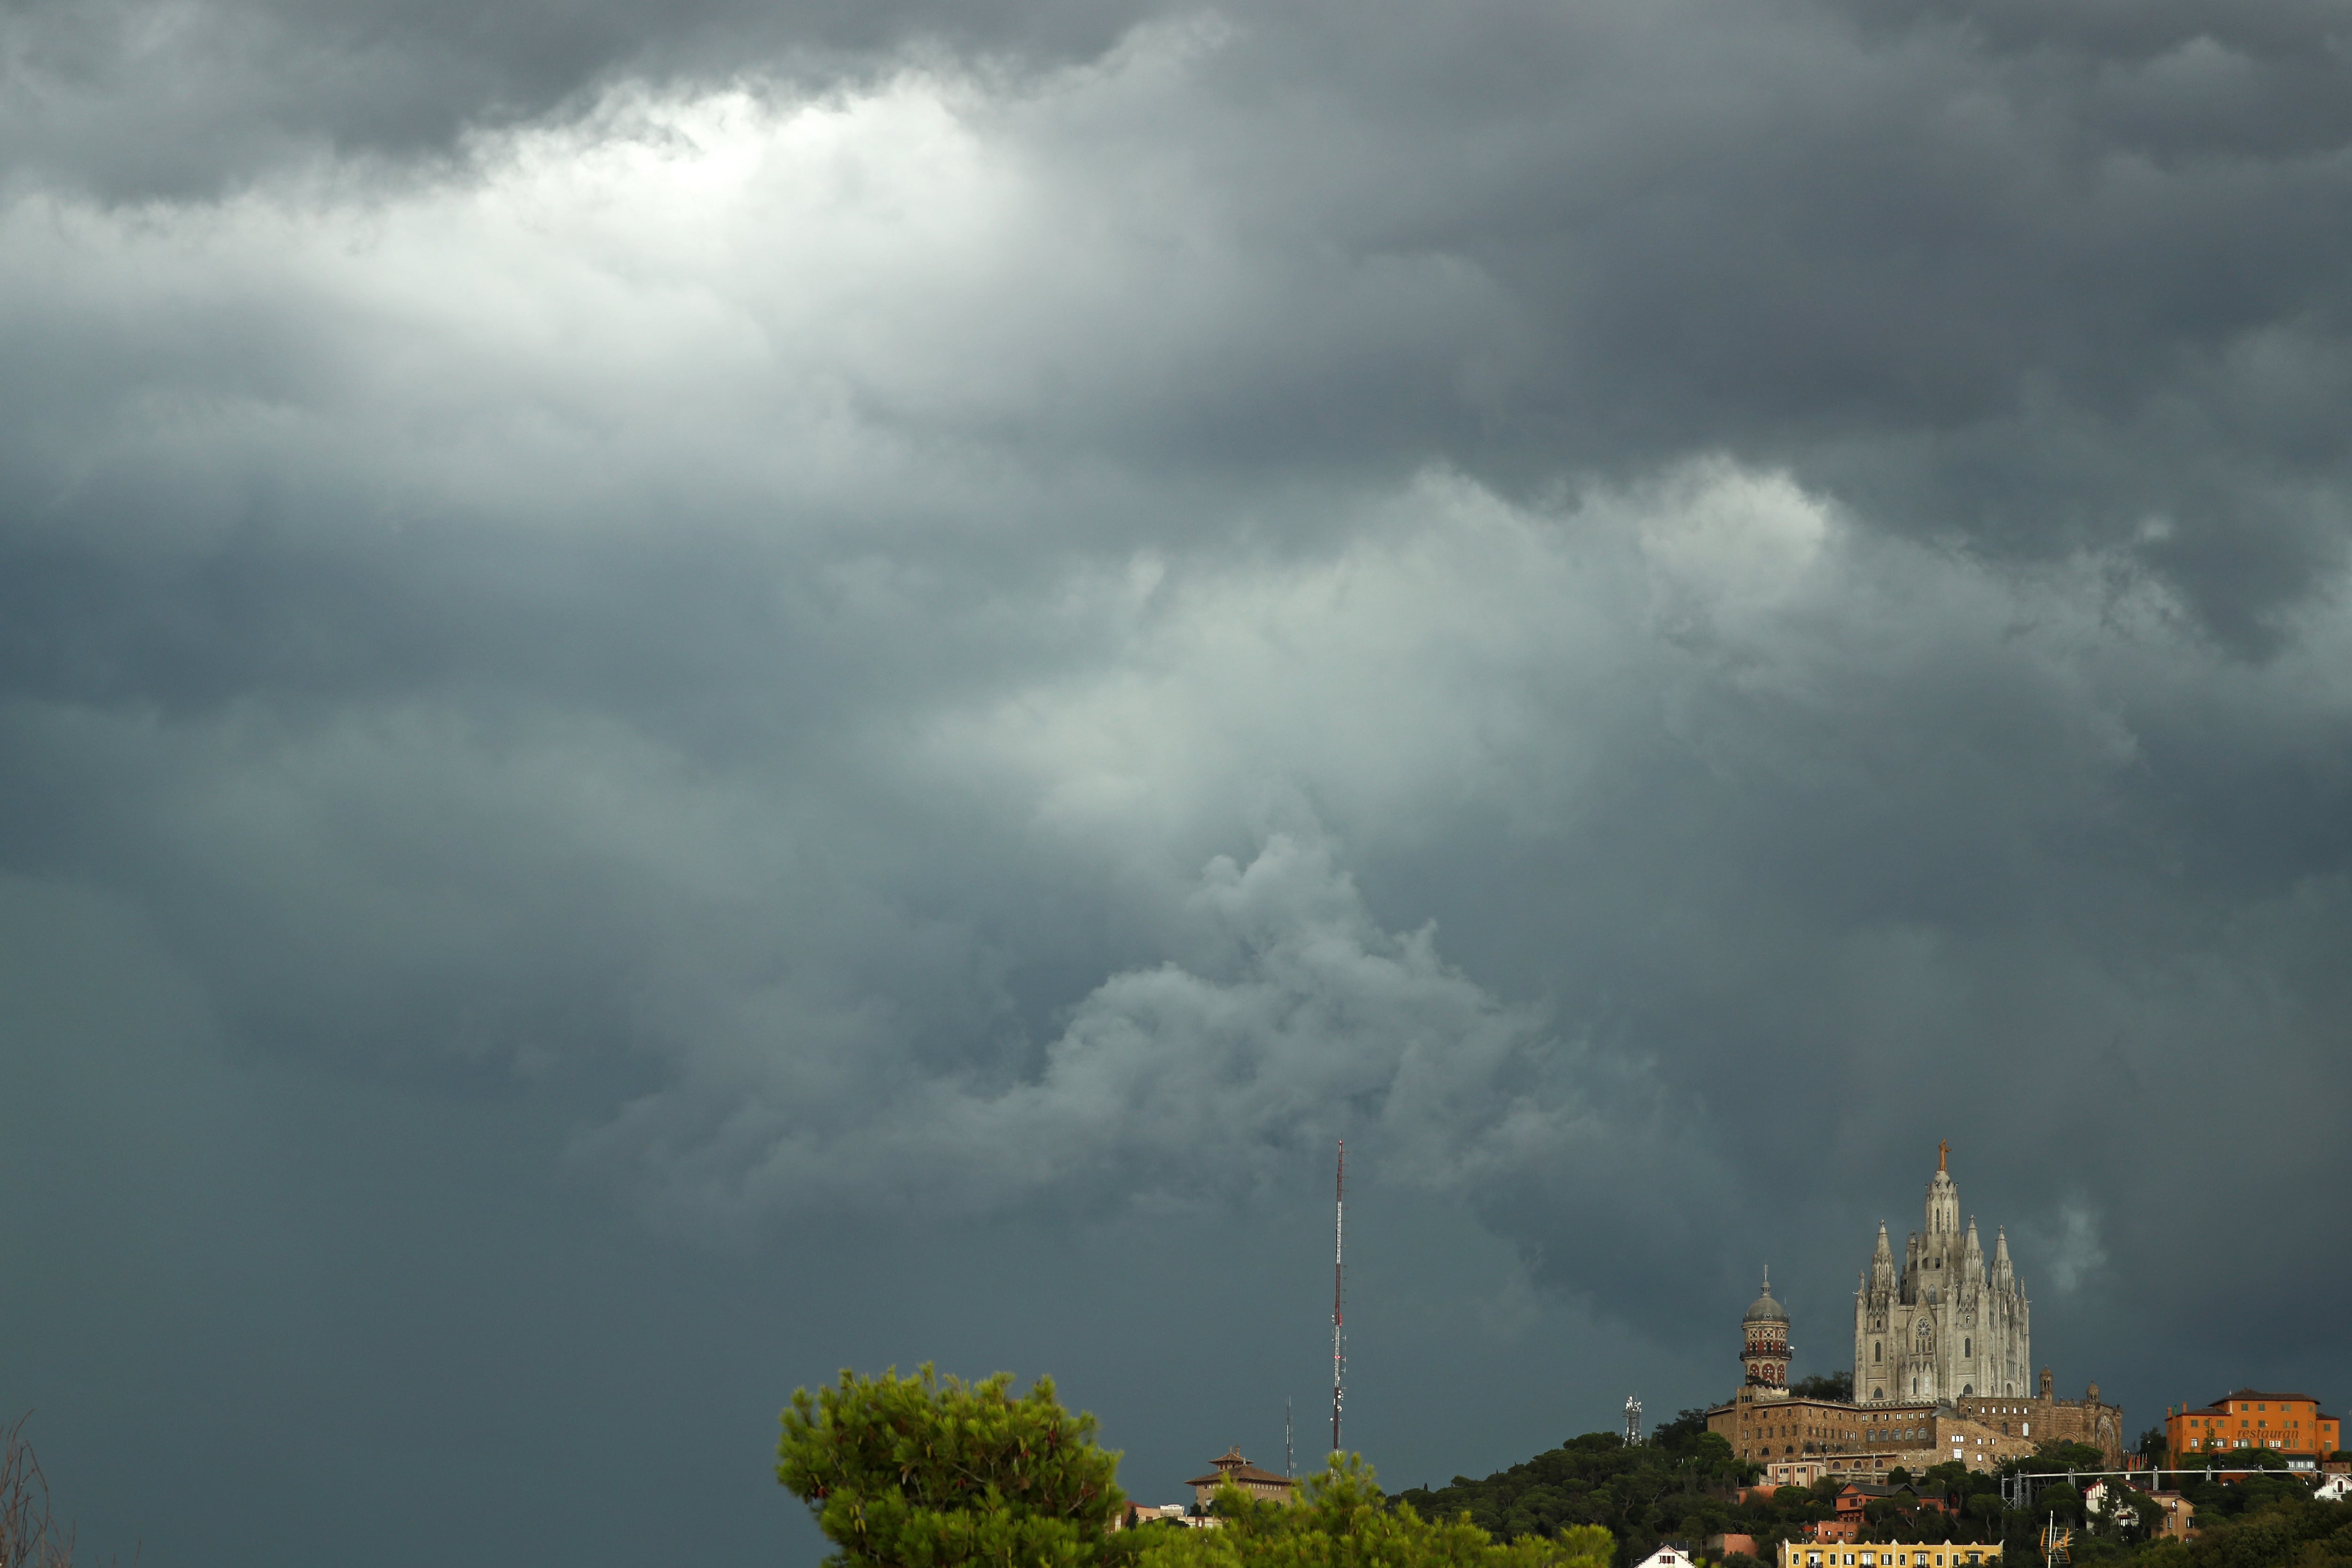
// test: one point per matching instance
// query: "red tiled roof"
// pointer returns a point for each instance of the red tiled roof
(2221, 1406)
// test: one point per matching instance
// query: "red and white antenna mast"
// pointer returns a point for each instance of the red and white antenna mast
(1338, 1281)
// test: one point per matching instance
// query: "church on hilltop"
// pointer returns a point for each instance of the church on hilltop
(1941, 1360)
(1945, 1328)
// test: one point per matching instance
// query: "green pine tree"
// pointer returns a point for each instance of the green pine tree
(926, 1472)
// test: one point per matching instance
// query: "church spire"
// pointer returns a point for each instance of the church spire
(1943, 1200)
(1932, 1328)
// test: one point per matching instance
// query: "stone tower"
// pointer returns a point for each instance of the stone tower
(1944, 1328)
(1764, 1344)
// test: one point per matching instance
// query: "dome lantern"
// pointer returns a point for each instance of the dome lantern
(1764, 1342)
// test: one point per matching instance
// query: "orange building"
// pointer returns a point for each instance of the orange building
(2291, 1425)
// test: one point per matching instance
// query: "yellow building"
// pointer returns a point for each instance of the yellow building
(1887, 1555)
(2176, 1518)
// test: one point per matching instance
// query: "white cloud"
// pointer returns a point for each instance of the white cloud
(2070, 1239)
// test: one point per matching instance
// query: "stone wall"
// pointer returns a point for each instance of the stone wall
(2046, 1418)
(1780, 1430)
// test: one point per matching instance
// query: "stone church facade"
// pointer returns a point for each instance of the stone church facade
(1946, 1328)
(1941, 1360)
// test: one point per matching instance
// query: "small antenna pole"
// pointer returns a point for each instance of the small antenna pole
(1338, 1293)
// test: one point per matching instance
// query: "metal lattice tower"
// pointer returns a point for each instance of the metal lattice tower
(1632, 1422)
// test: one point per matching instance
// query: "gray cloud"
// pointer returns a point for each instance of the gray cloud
(698, 669)
(2037, 280)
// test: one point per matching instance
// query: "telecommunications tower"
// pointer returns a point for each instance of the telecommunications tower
(1338, 1280)
(1632, 1422)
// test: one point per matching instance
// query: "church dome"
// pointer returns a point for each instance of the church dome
(1765, 1310)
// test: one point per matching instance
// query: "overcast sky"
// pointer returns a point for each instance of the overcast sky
(692, 693)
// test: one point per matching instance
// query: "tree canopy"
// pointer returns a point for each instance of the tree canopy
(2060, 1454)
(2284, 1531)
(1677, 1486)
(932, 1473)
(1342, 1521)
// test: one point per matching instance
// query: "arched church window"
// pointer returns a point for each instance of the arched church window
(1965, 1343)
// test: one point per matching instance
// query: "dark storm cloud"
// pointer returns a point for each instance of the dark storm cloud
(2039, 279)
(140, 98)
(848, 641)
